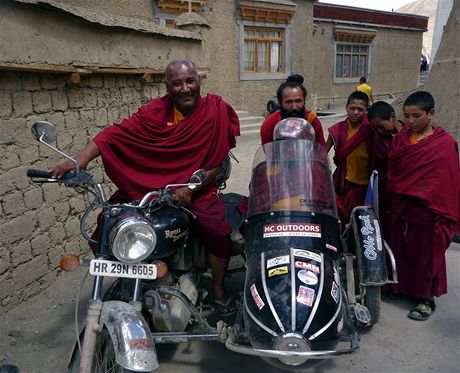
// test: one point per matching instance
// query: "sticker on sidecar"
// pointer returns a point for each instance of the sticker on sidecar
(292, 229)
(330, 247)
(257, 299)
(340, 325)
(305, 295)
(307, 277)
(273, 262)
(335, 292)
(304, 265)
(278, 271)
(308, 255)
(100, 267)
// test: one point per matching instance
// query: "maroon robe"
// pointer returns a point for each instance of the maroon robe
(147, 151)
(349, 195)
(424, 180)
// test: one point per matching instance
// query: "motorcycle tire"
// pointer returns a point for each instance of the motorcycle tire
(372, 302)
(104, 356)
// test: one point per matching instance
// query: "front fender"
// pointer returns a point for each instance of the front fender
(131, 337)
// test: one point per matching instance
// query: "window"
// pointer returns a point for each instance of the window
(351, 60)
(263, 50)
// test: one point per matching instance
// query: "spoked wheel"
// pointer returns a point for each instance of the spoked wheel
(372, 302)
(104, 358)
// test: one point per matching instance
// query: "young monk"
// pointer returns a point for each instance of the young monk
(353, 141)
(382, 118)
(424, 179)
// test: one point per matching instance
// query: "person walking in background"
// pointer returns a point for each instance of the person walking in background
(382, 118)
(366, 88)
(353, 141)
(424, 180)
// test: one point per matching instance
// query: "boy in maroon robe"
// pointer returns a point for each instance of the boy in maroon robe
(424, 179)
(382, 118)
(164, 143)
(353, 141)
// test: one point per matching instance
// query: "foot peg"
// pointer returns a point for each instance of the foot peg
(362, 314)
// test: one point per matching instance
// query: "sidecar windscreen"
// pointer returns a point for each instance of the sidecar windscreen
(291, 175)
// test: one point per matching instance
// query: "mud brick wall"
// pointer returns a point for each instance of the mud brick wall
(38, 224)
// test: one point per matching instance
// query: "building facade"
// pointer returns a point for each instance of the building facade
(82, 64)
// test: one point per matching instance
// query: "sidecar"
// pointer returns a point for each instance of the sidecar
(295, 310)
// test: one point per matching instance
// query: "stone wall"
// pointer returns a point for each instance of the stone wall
(444, 79)
(40, 223)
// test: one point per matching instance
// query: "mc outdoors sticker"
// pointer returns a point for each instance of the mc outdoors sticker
(257, 299)
(292, 230)
(277, 261)
(307, 277)
(335, 292)
(305, 295)
(308, 266)
(278, 271)
(308, 255)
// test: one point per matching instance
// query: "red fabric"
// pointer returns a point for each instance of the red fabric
(269, 124)
(143, 152)
(350, 195)
(424, 180)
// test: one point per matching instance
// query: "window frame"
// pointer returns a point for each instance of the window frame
(286, 51)
(354, 79)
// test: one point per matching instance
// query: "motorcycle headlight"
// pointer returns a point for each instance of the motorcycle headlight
(132, 239)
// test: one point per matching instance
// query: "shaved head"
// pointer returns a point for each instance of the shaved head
(178, 64)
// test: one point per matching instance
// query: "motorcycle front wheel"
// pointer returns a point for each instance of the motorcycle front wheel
(104, 359)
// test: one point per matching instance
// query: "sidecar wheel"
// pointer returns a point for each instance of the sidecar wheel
(372, 302)
(104, 356)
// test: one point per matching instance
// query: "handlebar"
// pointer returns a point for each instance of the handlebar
(70, 177)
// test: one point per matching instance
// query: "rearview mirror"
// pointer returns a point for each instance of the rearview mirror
(44, 132)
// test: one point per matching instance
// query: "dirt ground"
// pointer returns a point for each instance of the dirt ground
(38, 335)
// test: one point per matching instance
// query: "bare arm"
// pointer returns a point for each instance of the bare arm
(183, 196)
(84, 156)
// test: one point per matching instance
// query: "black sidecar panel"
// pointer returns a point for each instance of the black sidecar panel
(366, 238)
(292, 290)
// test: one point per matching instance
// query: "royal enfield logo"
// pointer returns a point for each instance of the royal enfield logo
(308, 255)
(369, 242)
(292, 230)
(176, 234)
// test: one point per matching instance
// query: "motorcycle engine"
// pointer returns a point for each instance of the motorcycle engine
(176, 315)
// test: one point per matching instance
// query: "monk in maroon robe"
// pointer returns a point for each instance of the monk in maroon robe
(353, 141)
(424, 179)
(164, 143)
(291, 97)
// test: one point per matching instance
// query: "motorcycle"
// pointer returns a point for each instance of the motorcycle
(294, 309)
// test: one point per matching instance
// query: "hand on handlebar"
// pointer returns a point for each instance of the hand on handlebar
(61, 169)
(183, 196)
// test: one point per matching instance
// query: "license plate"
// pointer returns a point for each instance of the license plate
(101, 267)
